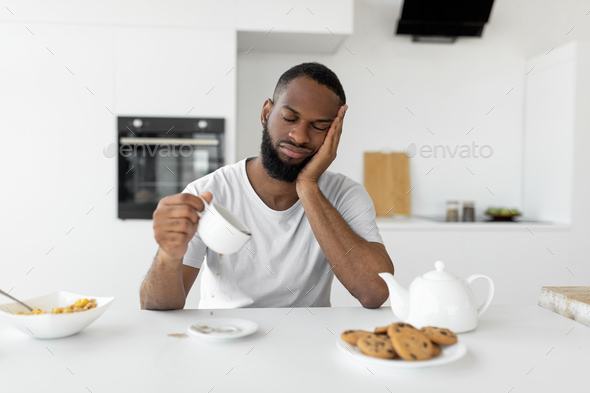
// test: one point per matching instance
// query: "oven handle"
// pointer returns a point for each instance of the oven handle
(168, 141)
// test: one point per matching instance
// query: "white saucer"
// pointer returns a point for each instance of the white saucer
(222, 328)
(449, 353)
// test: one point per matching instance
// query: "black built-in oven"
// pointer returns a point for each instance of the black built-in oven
(159, 156)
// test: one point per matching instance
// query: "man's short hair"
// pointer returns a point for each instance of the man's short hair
(315, 71)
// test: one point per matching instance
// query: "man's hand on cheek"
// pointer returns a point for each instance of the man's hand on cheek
(311, 173)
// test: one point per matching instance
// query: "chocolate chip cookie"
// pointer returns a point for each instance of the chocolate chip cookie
(381, 330)
(436, 349)
(439, 335)
(377, 346)
(352, 336)
(409, 343)
(397, 327)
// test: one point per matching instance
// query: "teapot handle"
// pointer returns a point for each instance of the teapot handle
(488, 300)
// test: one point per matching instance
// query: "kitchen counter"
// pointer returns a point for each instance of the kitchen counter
(514, 349)
(426, 224)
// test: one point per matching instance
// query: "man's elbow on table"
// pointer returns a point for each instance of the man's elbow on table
(374, 300)
(157, 307)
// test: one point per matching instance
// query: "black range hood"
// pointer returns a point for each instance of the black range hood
(443, 20)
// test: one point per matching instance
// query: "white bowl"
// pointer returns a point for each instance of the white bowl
(53, 325)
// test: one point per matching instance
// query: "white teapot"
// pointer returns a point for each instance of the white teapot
(438, 298)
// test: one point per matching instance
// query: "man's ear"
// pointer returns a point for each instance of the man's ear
(266, 111)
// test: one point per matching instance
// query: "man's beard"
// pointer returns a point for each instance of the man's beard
(275, 167)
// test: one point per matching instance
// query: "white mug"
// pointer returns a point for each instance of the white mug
(220, 230)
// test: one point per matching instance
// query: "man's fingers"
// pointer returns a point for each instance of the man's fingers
(327, 145)
(342, 111)
(208, 196)
(341, 122)
(339, 129)
(176, 220)
(176, 234)
(337, 139)
(179, 225)
(333, 137)
(188, 199)
(177, 211)
(182, 225)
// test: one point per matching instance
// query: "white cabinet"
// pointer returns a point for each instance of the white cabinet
(56, 85)
(177, 72)
(555, 85)
(267, 25)
(293, 26)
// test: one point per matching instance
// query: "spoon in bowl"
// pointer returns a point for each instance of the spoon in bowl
(15, 299)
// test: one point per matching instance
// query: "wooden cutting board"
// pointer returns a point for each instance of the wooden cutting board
(571, 302)
(387, 180)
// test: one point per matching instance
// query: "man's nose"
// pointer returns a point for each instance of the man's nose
(300, 133)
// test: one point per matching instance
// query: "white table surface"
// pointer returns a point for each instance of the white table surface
(514, 349)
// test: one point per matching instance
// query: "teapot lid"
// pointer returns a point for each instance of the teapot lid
(439, 274)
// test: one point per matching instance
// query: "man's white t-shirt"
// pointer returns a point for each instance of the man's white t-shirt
(283, 264)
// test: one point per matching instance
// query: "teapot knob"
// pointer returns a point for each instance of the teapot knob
(439, 265)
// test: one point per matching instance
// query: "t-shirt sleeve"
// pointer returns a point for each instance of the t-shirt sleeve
(357, 209)
(197, 250)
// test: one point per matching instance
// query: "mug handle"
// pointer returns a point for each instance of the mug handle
(488, 300)
(200, 214)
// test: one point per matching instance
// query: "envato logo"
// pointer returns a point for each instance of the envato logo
(163, 150)
(461, 151)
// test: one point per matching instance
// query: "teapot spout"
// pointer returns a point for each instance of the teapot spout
(398, 295)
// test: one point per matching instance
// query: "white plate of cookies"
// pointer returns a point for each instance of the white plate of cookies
(400, 345)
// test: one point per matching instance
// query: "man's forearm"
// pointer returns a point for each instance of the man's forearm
(355, 261)
(163, 287)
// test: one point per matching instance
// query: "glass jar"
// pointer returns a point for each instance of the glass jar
(468, 211)
(452, 211)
